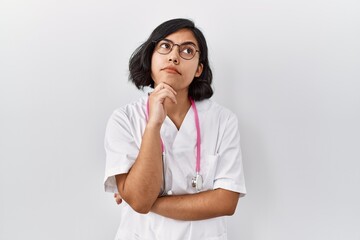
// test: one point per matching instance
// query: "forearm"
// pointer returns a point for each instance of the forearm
(141, 186)
(200, 206)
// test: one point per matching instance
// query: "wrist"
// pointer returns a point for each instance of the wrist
(153, 126)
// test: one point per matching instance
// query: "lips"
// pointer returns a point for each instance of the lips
(171, 70)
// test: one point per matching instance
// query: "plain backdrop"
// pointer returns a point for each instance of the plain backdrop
(288, 69)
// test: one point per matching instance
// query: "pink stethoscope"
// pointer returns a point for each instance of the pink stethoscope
(197, 181)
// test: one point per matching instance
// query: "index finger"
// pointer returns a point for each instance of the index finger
(163, 85)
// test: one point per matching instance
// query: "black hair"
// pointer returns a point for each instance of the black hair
(140, 60)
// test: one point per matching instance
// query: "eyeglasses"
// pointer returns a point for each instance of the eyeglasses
(187, 50)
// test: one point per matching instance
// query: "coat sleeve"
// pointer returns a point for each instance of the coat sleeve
(120, 148)
(229, 173)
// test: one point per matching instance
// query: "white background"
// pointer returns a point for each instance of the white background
(288, 69)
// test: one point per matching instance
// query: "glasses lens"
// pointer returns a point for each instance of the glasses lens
(187, 51)
(164, 47)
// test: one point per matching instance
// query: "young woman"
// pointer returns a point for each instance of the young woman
(174, 156)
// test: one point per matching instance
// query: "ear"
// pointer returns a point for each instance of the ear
(199, 70)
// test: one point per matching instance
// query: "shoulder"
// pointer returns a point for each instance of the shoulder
(135, 109)
(213, 109)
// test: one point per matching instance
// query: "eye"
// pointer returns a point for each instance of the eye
(165, 45)
(188, 50)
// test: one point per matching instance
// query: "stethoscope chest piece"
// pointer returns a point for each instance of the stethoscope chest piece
(197, 182)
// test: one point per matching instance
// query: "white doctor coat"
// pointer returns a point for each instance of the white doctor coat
(220, 166)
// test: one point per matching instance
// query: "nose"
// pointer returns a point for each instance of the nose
(174, 55)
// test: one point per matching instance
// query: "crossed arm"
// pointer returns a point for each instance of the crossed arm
(190, 207)
(140, 188)
(199, 206)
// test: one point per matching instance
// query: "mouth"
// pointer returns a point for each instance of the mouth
(171, 70)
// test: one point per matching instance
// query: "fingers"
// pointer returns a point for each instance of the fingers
(117, 198)
(163, 90)
(165, 93)
(162, 86)
(161, 94)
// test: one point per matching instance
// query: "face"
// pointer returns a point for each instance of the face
(171, 68)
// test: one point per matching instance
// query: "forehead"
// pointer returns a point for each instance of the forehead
(181, 36)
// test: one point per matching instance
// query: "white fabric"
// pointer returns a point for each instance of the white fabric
(220, 166)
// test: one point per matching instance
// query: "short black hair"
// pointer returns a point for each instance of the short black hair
(140, 60)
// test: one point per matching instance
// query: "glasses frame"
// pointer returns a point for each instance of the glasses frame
(172, 44)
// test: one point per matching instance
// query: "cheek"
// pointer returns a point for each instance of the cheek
(155, 61)
(152, 64)
(193, 71)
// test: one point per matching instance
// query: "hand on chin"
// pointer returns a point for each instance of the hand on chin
(168, 102)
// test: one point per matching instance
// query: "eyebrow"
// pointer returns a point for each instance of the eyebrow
(187, 42)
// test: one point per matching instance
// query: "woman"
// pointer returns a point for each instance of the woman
(174, 156)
